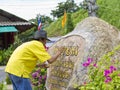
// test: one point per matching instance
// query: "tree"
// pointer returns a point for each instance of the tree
(69, 6)
(44, 19)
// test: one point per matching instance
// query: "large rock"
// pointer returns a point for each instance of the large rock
(93, 38)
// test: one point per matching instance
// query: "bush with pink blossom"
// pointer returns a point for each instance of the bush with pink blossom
(38, 77)
(103, 75)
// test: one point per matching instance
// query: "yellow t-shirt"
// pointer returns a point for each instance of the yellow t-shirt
(24, 58)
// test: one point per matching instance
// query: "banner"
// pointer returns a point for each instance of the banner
(64, 19)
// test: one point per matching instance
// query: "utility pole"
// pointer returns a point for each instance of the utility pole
(91, 7)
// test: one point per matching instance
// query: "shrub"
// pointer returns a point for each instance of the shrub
(38, 77)
(5, 54)
(8, 81)
(103, 75)
(3, 86)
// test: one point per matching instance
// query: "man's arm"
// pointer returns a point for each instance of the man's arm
(54, 57)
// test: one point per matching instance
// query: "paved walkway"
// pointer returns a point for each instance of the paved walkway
(2, 67)
(3, 77)
(2, 73)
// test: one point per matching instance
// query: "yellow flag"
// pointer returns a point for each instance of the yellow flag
(64, 19)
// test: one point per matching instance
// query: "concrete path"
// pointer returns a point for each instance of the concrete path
(3, 77)
(2, 73)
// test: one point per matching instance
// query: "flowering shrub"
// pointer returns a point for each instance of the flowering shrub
(38, 77)
(103, 75)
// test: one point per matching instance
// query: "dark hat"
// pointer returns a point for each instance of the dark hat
(40, 34)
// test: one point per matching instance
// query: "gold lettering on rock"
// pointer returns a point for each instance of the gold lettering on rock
(60, 74)
(69, 50)
(62, 70)
(59, 83)
(65, 64)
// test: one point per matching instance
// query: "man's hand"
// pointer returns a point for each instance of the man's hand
(58, 52)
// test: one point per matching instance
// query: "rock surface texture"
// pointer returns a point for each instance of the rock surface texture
(93, 38)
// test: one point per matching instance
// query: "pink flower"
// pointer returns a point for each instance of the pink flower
(119, 75)
(87, 63)
(89, 60)
(35, 74)
(112, 68)
(106, 73)
(40, 78)
(95, 65)
(108, 79)
(45, 77)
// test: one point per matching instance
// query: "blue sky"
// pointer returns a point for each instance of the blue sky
(28, 9)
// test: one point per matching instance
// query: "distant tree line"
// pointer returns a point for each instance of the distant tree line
(70, 6)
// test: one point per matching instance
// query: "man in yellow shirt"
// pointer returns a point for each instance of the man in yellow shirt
(24, 58)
